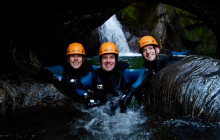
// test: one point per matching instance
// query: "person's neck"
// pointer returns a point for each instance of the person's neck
(108, 73)
(150, 64)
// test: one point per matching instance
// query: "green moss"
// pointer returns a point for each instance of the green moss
(129, 12)
(195, 30)
(139, 13)
(209, 43)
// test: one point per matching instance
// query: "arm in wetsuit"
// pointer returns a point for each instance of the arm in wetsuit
(88, 99)
(138, 77)
(57, 71)
(134, 75)
(86, 82)
(95, 67)
(53, 74)
(50, 74)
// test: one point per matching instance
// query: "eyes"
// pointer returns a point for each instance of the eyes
(147, 49)
(76, 56)
(108, 57)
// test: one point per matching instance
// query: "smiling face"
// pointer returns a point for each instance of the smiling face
(149, 53)
(75, 60)
(108, 62)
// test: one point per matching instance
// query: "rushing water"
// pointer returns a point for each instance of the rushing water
(73, 121)
(111, 31)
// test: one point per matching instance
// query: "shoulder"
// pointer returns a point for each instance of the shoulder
(122, 65)
(95, 67)
(164, 61)
(133, 71)
(90, 67)
(54, 67)
(164, 58)
(96, 72)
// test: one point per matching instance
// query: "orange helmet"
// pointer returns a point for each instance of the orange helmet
(75, 48)
(147, 40)
(108, 47)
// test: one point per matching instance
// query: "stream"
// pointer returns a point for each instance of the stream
(73, 121)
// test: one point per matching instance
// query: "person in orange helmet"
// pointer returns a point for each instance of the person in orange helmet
(66, 77)
(112, 78)
(153, 60)
(150, 51)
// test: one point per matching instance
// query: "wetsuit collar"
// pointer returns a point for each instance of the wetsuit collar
(76, 72)
(151, 65)
(109, 73)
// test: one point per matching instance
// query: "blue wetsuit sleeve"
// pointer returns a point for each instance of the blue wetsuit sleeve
(87, 82)
(179, 53)
(134, 75)
(57, 70)
(80, 92)
(95, 67)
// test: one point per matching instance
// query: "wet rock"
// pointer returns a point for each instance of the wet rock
(15, 96)
(190, 86)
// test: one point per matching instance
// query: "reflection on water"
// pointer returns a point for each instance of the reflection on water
(73, 121)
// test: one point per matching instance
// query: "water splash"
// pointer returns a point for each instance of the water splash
(106, 122)
(111, 31)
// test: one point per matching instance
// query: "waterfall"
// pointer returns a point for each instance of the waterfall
(111, 31)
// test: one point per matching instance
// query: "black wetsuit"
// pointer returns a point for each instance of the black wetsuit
(120, 80)
(108, 83)
(158, 64)
(65, 78)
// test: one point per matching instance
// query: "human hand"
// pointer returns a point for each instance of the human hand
(93, 103)
(122, 105)
(123, 102)
(76, 83)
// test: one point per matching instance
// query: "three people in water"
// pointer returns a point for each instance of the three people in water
(92, 84)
